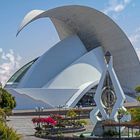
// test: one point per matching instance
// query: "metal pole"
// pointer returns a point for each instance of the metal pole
(65, 111)
(59, 109)
(119, 130)
(128, 132)
(59, 114)
(39, 110)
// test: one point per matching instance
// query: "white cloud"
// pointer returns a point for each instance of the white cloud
(138, 52)
(135, 37)
(119, 8)
(10, 62)
(116, 6)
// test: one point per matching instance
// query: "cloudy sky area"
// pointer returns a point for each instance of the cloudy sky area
(41, 35)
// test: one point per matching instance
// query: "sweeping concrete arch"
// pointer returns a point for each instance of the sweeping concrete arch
(94, 29)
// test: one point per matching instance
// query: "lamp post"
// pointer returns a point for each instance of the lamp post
(107, 57)
(79, 110)
(65, 110)
(119, 118)
(59, 107)
(39, 110)
(119, 127)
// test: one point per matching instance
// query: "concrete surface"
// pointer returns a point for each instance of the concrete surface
(24, 126)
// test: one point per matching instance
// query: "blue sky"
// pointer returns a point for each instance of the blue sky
(40, 35)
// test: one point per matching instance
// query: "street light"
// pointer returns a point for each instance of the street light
(119, 118)
(65, 110)
(39, 110)
(59, 106)
(107, 57)
(78, 107)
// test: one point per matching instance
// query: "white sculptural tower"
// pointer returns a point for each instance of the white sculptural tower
(109, 96)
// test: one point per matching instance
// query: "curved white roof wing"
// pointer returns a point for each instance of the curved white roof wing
(31, 16)
(94, 29)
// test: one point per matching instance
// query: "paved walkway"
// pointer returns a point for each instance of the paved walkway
(24, 126)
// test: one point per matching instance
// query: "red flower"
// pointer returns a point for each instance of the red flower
(48, 120)
(57, 117)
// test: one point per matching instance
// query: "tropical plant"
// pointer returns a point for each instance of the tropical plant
(7, 133)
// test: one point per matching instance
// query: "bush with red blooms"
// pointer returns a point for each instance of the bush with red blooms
(48, 120)
(60, 120)
(55, 124)
(57, 117)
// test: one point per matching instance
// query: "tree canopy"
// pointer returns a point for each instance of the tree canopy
(137, 88)
(6, 99)
(135, 114)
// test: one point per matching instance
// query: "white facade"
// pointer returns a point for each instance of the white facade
(63, 74)
(70, 84)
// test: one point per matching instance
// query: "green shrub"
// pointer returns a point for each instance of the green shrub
(135, 114)
(7, 100)
(2, 115)
(7, 133)
(80, 123)
(82, 135)
(71, 113)
(7, 111)
(137, 88)
(138, 98)
(110, 133)
(137, 134)
(83, 122)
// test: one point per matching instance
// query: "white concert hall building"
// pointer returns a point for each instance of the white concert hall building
(68, 73)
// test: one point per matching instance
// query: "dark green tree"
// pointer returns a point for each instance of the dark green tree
(7, 101)
(135, 114)
(137, 88)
